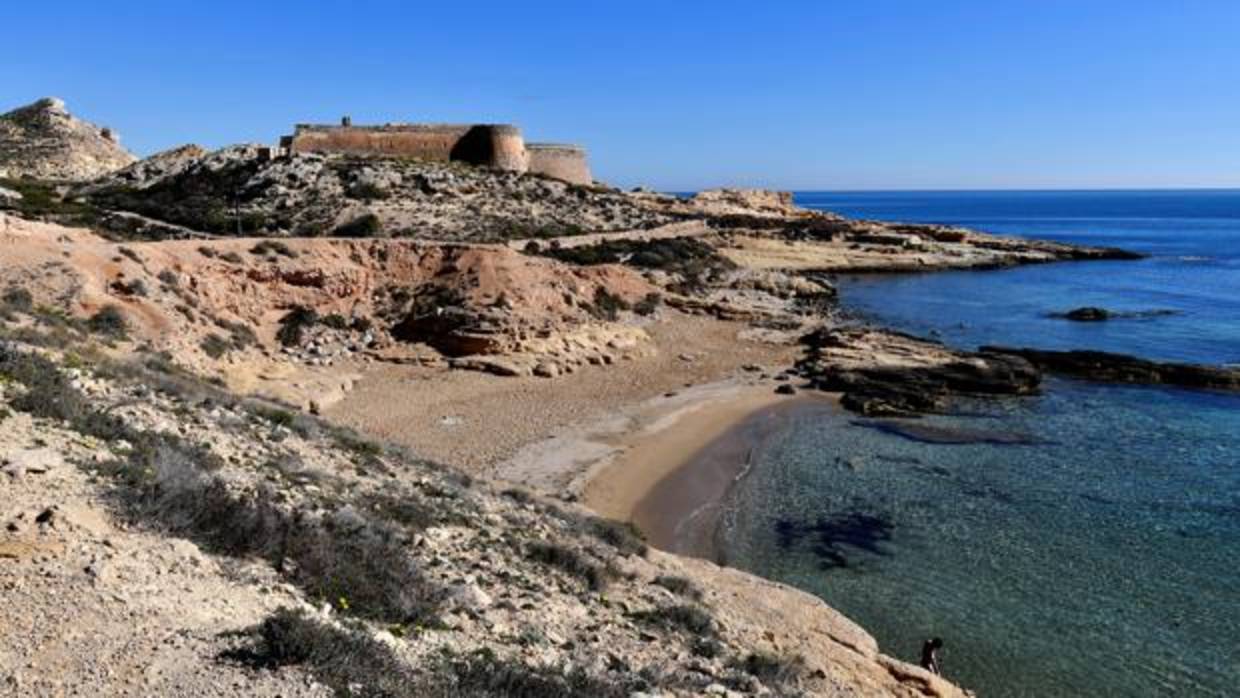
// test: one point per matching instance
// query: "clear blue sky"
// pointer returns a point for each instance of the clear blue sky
(855, 94)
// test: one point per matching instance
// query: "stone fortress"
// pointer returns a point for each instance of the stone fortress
(500, 146)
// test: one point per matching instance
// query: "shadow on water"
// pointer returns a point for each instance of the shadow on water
(828, 537)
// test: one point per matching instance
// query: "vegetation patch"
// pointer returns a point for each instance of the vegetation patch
(771, 669)
(596, 576)
(365, 226)
(294, 324)
(690, 618)
(273, 247)
(681, 586)
(109, 322)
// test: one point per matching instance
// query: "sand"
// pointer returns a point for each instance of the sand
(480, 423)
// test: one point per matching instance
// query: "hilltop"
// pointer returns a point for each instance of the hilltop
(44, 141)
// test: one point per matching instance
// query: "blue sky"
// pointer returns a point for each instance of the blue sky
(805, 95)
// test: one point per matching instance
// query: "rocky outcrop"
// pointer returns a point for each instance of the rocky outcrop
(44, 141)
(883, 373)
(316, 195)
(1106, 367)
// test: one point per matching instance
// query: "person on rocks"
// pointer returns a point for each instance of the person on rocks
(930, 655)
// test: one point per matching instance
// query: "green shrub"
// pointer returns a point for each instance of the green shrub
(596, 576)
(273, 247)
(688, 617)
(294, 324)
(232, 258)
(606, 305)
(109, 321)
(366, 191)
(170, 278)
(771, 669)
(336, 321)
(18, 299)
(681, 586)
(364, 226)
(621, 535)
(215, 346)
(648, 304)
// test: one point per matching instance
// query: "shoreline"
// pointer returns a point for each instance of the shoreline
(667, 463)
(682, 512)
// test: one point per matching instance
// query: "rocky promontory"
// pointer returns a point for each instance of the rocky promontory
(44, 141)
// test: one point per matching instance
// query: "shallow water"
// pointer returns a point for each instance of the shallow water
(1083, 542)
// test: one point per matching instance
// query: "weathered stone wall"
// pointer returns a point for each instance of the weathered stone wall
(498, 145)
(491, 145)
(566, 162)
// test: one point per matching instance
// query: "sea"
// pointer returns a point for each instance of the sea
(1081, 542)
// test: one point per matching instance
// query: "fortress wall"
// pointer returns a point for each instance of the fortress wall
(499, 146)
(566, 162)
(422, 142)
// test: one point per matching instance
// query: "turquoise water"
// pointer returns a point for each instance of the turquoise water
(1101, 558)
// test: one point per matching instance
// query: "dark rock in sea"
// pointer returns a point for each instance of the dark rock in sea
(1093, 314)
(1121, 368)
(924, 383)
(1087, 314)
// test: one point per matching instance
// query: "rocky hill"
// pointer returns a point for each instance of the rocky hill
(164, 537)
(239, 190)
(44, 141)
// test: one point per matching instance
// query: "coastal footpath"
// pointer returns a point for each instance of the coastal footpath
(325, 424)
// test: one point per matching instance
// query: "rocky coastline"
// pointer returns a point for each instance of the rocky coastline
(433, 363)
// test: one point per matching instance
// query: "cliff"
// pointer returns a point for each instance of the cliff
(44, 141)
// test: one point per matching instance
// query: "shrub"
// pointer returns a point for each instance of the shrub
(215, 346)
(623, 536)
(130, 254)
(364, 226)
(240, 334)
(607, 306)
(680, 586)
(688, 617)
(596, 577)
(273, 247)
(648, 304)
(294, 324)
(109, 321)
(170, 278)
(366, 191)
(345, 659)
(484, 674)
(336, 321)
(137, 287)
(771, 669)
(206, 252)
(232, 258)
(17, 298)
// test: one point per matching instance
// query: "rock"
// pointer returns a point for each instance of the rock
(1122, 368)
(785, 389)
(1087, 314)
(546, 370)
(33, 461)
(44, 141)
(9, 196)
(883, 373)
(470, 597)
